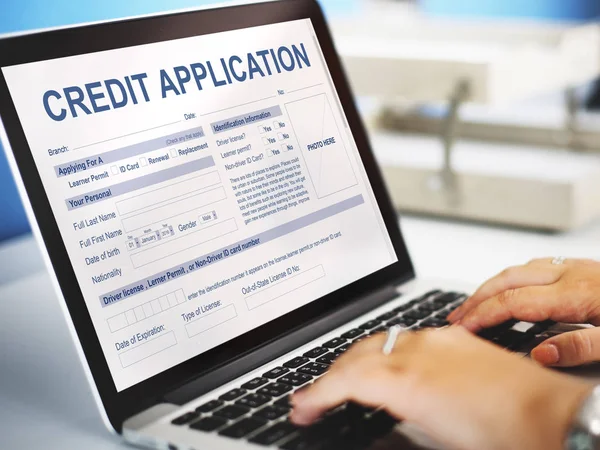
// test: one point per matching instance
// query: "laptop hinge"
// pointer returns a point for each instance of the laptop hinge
(296, 338)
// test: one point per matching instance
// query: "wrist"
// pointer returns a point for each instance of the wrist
(552, 411)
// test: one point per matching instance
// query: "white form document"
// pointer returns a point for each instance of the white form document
(202, 186)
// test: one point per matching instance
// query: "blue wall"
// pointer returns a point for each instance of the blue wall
(19, 15)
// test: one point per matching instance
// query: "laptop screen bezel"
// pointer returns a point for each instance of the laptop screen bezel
(132, 32)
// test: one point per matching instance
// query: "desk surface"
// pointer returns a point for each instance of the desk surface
(45, 399)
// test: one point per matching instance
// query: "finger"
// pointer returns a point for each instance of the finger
(566, 262)
(357, 375)
(532, 304)
(532, 274)
(366, 380)
(541, 261)
(569, 349)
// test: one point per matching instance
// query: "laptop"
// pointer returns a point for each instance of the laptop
(213, 217)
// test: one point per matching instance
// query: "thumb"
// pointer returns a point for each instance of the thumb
(569, 349)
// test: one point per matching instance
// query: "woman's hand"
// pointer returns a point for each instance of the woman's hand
(466, 393)
(540, 291)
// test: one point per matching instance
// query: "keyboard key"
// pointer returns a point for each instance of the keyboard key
(428, 307)
(209, 424)
(274, 434)
(443, 315)
(186, 418)
(284, 401)
(523, 327)
(255, 400)
(314, 369)
(232, 395)
(402, 321)
(276, 372)
(275, 389)
(343, 348)
(243, 427)
(539, 328)
(434, 323)
(417, 314)
(406, 306)
(449, 297)
(296, 362)
(315, 352)
(272, 412)
(210, 406)
(333, 343)
(231, 412)
(387, 316)
(296, 379)
(352, 333)
(512, 339)
(329, 358)
(494, 332)
(304, 443)
(438, 304)
(311, 441)
(370, 325)
(255, 383)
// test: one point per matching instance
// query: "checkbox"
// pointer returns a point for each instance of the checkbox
(156, 306)
(139, 313)
(130, 315)
(276, 125)
(164, 303)
(266, 141)
(114, 170)
(148, 312)
(280, 136)
(172, 299)
(174, 153)
(143, 162)
(261, 129)
(286, 148)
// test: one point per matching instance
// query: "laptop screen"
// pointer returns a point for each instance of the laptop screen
(203, 187)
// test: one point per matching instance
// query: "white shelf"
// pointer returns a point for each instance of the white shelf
(394, 52)
(513, 185)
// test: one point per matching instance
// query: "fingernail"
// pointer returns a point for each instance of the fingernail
(546, 354)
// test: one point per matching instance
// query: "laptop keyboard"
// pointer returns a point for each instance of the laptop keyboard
(258, 410)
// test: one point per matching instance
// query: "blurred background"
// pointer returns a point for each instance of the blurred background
(480, 110)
